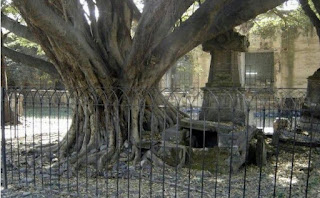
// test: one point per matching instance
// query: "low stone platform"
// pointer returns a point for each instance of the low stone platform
(214, 142)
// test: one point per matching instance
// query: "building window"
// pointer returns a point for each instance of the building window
(179, 77)
(259, 70)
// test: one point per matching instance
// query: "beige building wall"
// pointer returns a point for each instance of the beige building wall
(201, 67)
(296, 57)
(200, 61)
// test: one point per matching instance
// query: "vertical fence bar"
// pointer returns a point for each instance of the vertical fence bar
(142, 107)
(270, 115)
(118, 149)
(247, 152)
(11, 135)
(96, 141)
(33, 143)
(217, 160)
(231, 151)
(309, 156)
(50, 152)
(128, 156)
(25, 139)
(203, 151)
(277, 160)
(164, 146)
(86, 151)
(67, 139)
(3, 139)
(260, 165)
(151, 147)
(107, 144)
(256, 110)
(16, 131)
(176, 157)
(190, 151)
(77, 145)
(58, 114)
(41, 152)
(293, 153)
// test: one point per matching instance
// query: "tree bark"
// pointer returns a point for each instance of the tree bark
(9, 115)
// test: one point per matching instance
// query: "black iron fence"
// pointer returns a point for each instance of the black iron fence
(221, 143)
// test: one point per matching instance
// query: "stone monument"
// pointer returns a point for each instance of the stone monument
(311, 111)
(222, 94)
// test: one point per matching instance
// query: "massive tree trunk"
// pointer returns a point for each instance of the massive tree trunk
(115, 117)
(101, 62)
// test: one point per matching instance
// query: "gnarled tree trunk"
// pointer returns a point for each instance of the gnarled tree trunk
(111, 119)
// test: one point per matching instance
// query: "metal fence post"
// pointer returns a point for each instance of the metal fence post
(3, 140)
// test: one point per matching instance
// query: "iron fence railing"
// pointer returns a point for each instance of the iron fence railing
(221, 143)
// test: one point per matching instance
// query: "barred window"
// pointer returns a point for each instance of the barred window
(259, 69)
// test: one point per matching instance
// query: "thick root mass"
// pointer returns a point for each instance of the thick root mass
(103, 135)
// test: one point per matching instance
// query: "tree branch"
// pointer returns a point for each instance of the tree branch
(316, 4)
(158, 19)
(135, 11)
(31, 61)
(214, 17)
(124, 21)
(312, 16)
(46, 19)
(16, 28)
(63, 37)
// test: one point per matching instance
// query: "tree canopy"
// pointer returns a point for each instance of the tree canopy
(105, 28)
(276, 21)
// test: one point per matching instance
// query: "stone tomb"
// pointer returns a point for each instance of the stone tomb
(212, 143)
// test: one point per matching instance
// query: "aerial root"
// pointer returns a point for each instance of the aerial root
(152, 157)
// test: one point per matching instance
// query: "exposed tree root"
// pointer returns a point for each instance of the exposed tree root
(100, 133)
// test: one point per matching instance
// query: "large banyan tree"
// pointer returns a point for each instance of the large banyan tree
(109, 48)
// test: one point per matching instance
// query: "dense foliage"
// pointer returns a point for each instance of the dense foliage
(276, 21)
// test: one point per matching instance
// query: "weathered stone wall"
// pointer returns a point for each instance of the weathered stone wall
(297, 56)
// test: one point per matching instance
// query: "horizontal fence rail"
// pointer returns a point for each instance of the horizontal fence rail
(160, 143)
